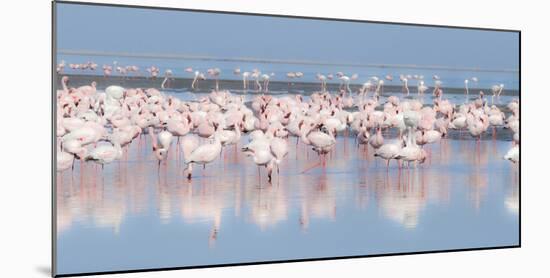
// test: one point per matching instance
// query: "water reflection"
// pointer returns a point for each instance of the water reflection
(230, 193)
(318, 199)
(268, 205)
(403, 198)
(227, 206)
(512, 200)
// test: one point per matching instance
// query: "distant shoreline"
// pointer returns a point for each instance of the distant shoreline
(178, 83)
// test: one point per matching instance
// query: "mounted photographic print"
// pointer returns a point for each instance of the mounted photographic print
(189, 138)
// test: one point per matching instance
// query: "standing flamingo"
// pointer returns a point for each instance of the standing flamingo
(215, 72)
(389, 151)
(405, 85)
(466, 91)
(265, 78)
(167, 75)
(198, 76)
(262, 156)
(323, 80)
(203, 154)
(245, 74)
(105, 154)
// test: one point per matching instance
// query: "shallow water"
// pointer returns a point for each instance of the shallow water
(451, 77)
(131, 215)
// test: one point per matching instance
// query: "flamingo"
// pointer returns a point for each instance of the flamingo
(389, 151)
(179, 128)
(262, 156)
(198, 76)
(431, 136)
(105, 154)
(60, 67)
(405, 85)
(265, 78)
(363, 135)
(167, 75)
(466, 91)
(107, 70)
(165, 139)
(497, 90)
(323, 80)
(279, 149)
(377, 140)
(84, 135)
(160, 144)
(203, 154)
(115, 92)
(65, 161)
(256, 75)
(230, 137)
(215, 72)
(379, 88)
(411, 152)
(322, 142)
(344, 83)
(245, 75)
(365, 89)
(513, 154)
(421, 87)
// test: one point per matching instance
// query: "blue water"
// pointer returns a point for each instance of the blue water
(130, 216)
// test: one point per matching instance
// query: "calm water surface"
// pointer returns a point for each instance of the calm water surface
(450, 78)
(132, 216)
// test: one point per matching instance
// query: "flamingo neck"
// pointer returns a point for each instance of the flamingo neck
(64, 84)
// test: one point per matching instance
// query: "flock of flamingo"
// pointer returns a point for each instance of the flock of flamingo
(98, 126)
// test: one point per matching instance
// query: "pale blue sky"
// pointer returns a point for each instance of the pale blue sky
(98, 28)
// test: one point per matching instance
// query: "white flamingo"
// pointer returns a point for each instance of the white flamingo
(513, 154)
(389, 151)
(203, 154)
(105, 154)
